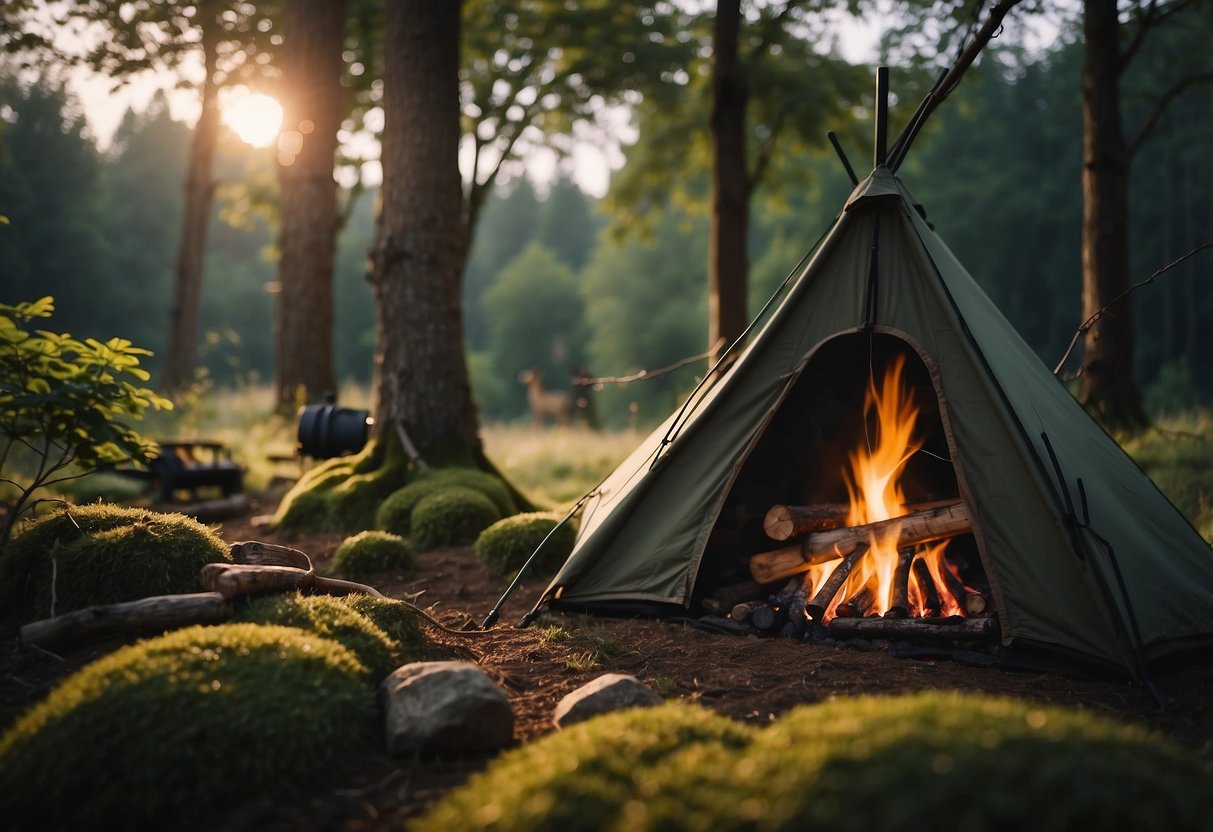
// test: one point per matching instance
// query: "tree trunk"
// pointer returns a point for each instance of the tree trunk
(421, 243)
(1107, 388)
(312, 103)
(181, 358)
(728, 263)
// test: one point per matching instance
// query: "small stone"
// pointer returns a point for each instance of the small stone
(451, 706)
(610, 692)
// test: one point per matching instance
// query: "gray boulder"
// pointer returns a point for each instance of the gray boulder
(445, 706)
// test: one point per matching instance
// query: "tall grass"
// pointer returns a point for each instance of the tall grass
(1177, 454)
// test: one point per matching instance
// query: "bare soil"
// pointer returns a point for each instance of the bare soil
(748, 678)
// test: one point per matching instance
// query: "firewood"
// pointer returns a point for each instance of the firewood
(744, 610)
(766, 617)
(926, 587)
(731, 595)
(784, 522)
(820, 547)
(147, 615)
(899, 606)
(912, 628)
(269, 554)
(821, 600)
(857, 605)
(234, 580)
(975, 603)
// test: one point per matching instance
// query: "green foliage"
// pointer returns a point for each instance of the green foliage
(454, 516)
(65, 401)
(329, 617)
(372, 551)
(165, 731)
(860, 764)
(102, 554)
(536, 322)
(506, 545)
(1177, 454)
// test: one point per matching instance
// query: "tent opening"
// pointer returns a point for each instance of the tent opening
(849, 506)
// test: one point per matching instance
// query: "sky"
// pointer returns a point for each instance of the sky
(596, 154)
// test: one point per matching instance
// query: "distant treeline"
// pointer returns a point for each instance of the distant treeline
(552, 285)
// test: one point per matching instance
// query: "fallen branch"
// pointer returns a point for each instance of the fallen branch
(233, 580)
(154, 614)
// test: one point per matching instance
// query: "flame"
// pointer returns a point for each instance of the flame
(873, 482)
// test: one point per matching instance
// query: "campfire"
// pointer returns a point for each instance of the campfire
(879, 563)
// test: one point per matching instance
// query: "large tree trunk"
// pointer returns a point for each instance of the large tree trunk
(728, 262)
(1107, 388)
(421, 376)
(312, 103)
(181, 358)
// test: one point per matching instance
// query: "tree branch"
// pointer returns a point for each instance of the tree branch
(1103, 310)
(1160, 107)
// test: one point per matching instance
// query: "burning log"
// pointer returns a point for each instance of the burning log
(913, 628)
(784, 522)
(926, 586)
(899, 606)
(937, 523)
(147, 615)
(817, 607)
(857, 605)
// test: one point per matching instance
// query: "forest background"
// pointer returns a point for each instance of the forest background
(566, 282)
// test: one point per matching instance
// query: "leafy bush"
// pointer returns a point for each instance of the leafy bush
(504, 547)
(102, 554)
(332, 618)
(64, 401)
(850, 764)
(153, 734)
(454, 516)
(373, 551)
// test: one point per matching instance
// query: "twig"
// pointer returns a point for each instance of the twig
(644, 375)
(1099, 313)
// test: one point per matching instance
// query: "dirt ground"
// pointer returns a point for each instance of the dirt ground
(749, 678)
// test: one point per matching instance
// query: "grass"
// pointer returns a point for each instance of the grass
(1177, 454)
(589, 643)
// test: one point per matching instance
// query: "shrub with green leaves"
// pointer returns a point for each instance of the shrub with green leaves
(373, 551)
(454, 516)
(330, 617)
(863, 763)
(506, 545)
(65, 401)
(102, 554)
(158, 733)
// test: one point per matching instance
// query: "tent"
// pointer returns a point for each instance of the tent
(1085, 557)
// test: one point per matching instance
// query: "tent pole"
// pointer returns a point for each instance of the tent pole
(882, 117)
(842, 157)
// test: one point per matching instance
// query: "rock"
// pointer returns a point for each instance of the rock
(610, 692)
(445, 706)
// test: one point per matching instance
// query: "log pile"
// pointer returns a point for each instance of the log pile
(257, 568)
(819, 534)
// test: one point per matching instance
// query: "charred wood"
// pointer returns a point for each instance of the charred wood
(821, 600)
(926, 587)
(899, 606)
(913, 628)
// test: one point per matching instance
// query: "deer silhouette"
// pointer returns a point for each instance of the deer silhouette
(556, 405)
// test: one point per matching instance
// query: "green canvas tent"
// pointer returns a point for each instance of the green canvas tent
(1083, 555)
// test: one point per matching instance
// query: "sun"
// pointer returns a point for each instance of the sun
(253, 116)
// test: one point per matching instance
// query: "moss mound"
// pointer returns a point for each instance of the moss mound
(355, 501)
(102, 554)
(307, 511)
(372, 551)
(154, 733)
(454, 516)
(329, 617)
(401, 621)
(506, 545)
(395, 513)
(487, 484)
(851, 764)
(578, 778)
(341, 494)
